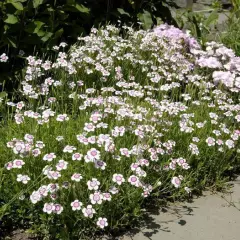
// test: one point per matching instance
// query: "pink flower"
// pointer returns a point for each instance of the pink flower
(93, 184)
(118, 178)
(76, 177)
(77, 156)
(176, 182)
(49, 157)
(134, 180)
(48, 208)
(88, 211)
(76, 205)
(102, 222)
(57, 208)
(96, 198)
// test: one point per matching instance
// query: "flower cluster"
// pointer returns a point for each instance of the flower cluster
(122, 118)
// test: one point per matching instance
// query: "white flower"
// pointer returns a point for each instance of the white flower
(210, 141)
(176, 182)
(102, 222)
(76, 205)
(88, 211)
(23, 178)
(118, 178)
(49, 157)
(93, 184)
(48, 208)
(96, 198)
(61, 165)
(35, 197)
(229, 143)
(76, 177)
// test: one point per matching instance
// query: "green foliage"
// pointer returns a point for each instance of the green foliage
(36, 26)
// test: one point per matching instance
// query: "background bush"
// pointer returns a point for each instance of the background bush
(33, 26)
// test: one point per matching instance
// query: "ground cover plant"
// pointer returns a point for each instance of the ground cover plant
(126, 116)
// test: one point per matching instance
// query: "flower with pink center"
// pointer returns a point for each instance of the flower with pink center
(53, 175)
(181, 161)
(53, 187)
(102, 222)
(57, 208)
(96, 198)
(176, 182)
(125, 152)
(134, 180)
(134, 166)
(76, 205)
(69, 149)
(77, 156)
(43, 190)
(185, 166)
(88, 211)
(100, 164)
(35, 197)
(29, 138)
(36, 152)
(118, 178)
(19, 148)
(62, 118)
(219, 142)
(76, 177)
(89, 127)
(9, 165)
(93, 184)
(210, 141)
(229, 143)
(107, 196)
(93, 154)
(95, 117)
(3, 57)
(61, 165)
(18, 163)
(23, 178)
(49, 157)
(48, 208)
(143, 162)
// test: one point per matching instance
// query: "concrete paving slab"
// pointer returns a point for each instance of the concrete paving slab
(211, 217)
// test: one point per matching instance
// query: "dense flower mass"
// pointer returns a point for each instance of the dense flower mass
(123, 117)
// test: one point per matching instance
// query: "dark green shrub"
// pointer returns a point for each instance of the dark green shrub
(34, 26)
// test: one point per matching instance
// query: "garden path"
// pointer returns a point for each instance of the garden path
(210, 217)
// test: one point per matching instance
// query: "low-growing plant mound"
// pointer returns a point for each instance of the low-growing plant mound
(122, 117)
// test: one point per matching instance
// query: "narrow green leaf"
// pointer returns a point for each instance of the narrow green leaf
(11, 19)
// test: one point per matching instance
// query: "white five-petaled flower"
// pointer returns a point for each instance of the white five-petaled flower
(102, 222)
(176, 182)
(23, 178)
(76, 177)
(49, 157)
(134, 180)
(77, 156)
(61, 165)
(118, 178)
(76, 205)
(93, 184)
(96, 198)
(88, 211)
